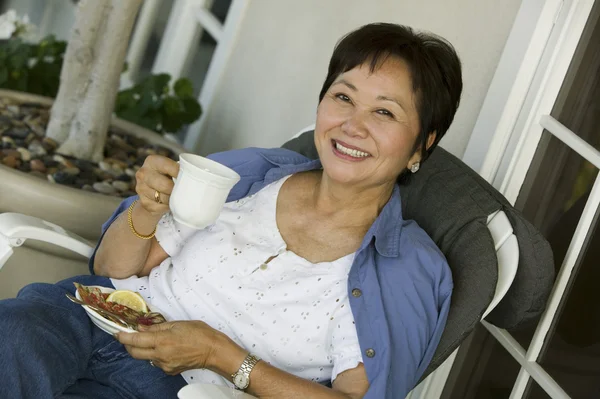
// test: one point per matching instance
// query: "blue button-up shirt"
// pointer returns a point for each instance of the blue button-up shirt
(399, 285)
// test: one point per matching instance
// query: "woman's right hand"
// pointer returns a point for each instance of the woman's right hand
(156, 174)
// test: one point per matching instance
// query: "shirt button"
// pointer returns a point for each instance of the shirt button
(370, 352)
(356, 292)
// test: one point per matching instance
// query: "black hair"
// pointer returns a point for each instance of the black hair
(433, 64)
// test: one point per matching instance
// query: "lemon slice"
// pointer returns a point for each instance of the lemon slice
(131, 299)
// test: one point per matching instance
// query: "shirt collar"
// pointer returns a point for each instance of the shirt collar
(387, 227)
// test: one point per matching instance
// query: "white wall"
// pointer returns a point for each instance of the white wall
(271, 84)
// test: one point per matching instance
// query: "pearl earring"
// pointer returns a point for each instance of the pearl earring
(415, 167)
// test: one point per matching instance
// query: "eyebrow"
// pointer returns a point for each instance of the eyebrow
(379, 98)
(346, 83)
(384, 98)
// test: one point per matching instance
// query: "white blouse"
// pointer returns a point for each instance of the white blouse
(292, 313)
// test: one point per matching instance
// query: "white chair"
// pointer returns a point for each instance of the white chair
(16, 228)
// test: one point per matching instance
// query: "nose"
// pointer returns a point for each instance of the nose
(354, 125)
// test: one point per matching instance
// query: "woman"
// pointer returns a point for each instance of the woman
(309, 267)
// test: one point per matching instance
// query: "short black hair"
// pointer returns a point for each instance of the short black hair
(433, 64)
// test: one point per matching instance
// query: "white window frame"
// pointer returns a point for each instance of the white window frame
(515, 112)
(187, 21)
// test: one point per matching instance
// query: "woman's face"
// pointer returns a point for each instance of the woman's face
(367, 125)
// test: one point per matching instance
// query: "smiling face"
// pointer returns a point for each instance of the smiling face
(367, 125)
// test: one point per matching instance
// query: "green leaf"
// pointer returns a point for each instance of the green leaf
(184, 88)
(192, 110)
(159, 82)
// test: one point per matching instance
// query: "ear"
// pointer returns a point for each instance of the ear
(431, 139)
(416, 157)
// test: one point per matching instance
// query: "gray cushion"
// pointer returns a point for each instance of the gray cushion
(451, 202)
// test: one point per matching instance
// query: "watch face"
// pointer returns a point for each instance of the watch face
(241, 381)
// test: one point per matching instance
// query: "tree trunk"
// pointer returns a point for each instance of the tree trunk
(88, 128)
(75, 73)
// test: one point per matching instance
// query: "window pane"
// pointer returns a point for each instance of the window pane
(578, 104)
(536, 392)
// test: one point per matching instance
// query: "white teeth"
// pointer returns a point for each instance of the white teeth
(348, 151)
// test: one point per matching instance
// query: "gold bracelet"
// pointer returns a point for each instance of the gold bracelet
(130, 221)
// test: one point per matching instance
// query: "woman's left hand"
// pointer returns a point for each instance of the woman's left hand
(173, 346)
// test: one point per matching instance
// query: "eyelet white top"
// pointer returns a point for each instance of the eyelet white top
(292, 313)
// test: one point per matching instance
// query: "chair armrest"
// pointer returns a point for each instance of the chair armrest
(16, 228)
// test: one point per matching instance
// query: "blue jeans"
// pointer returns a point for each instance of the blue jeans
(49, 348)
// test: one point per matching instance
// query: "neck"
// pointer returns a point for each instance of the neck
(350, 204)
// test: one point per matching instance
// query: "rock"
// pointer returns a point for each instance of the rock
(14, 109)
(24, 167)
(64, 178)
(118, 154)
(115, 162)
(36, 125)
(104, 188)
(11, 161)
(71, 171)
(30, 138)
(25, 154)
(52, 171)
(37, 148)
(105, 166)
(37, 165)
(124, 177)
(49, 144)
(17, 133)
(10, 153)
(89, 188)
(120, 185)
(130, 172)
(50, 162)
(83, 165)
(50, 178)
(8, 141)
(59, 158)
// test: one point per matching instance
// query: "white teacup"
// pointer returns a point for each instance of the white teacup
(200, 191)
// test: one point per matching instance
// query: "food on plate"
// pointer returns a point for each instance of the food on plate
(130, 299)
(128, 305)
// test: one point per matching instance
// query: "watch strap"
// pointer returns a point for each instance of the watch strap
(246, 368)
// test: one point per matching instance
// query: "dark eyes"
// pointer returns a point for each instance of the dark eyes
(343, 97)
(381, 111)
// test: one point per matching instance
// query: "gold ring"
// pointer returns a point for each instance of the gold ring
(157, 197)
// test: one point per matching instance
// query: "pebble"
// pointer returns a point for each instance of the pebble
(49, 144)
(120, 185)
(11, 161)
(8, 140)
(17, 133)
(38, 165)
(105, 166)
(71, 171)
(24, 147)
(104, 188)
(25, 154)
(59, 158)
(62, 177)
(37, 148)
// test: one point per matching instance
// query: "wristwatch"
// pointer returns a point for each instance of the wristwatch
(241, 379)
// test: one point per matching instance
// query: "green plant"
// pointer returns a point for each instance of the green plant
(31, 67)
(156, 105)
(152, 103)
